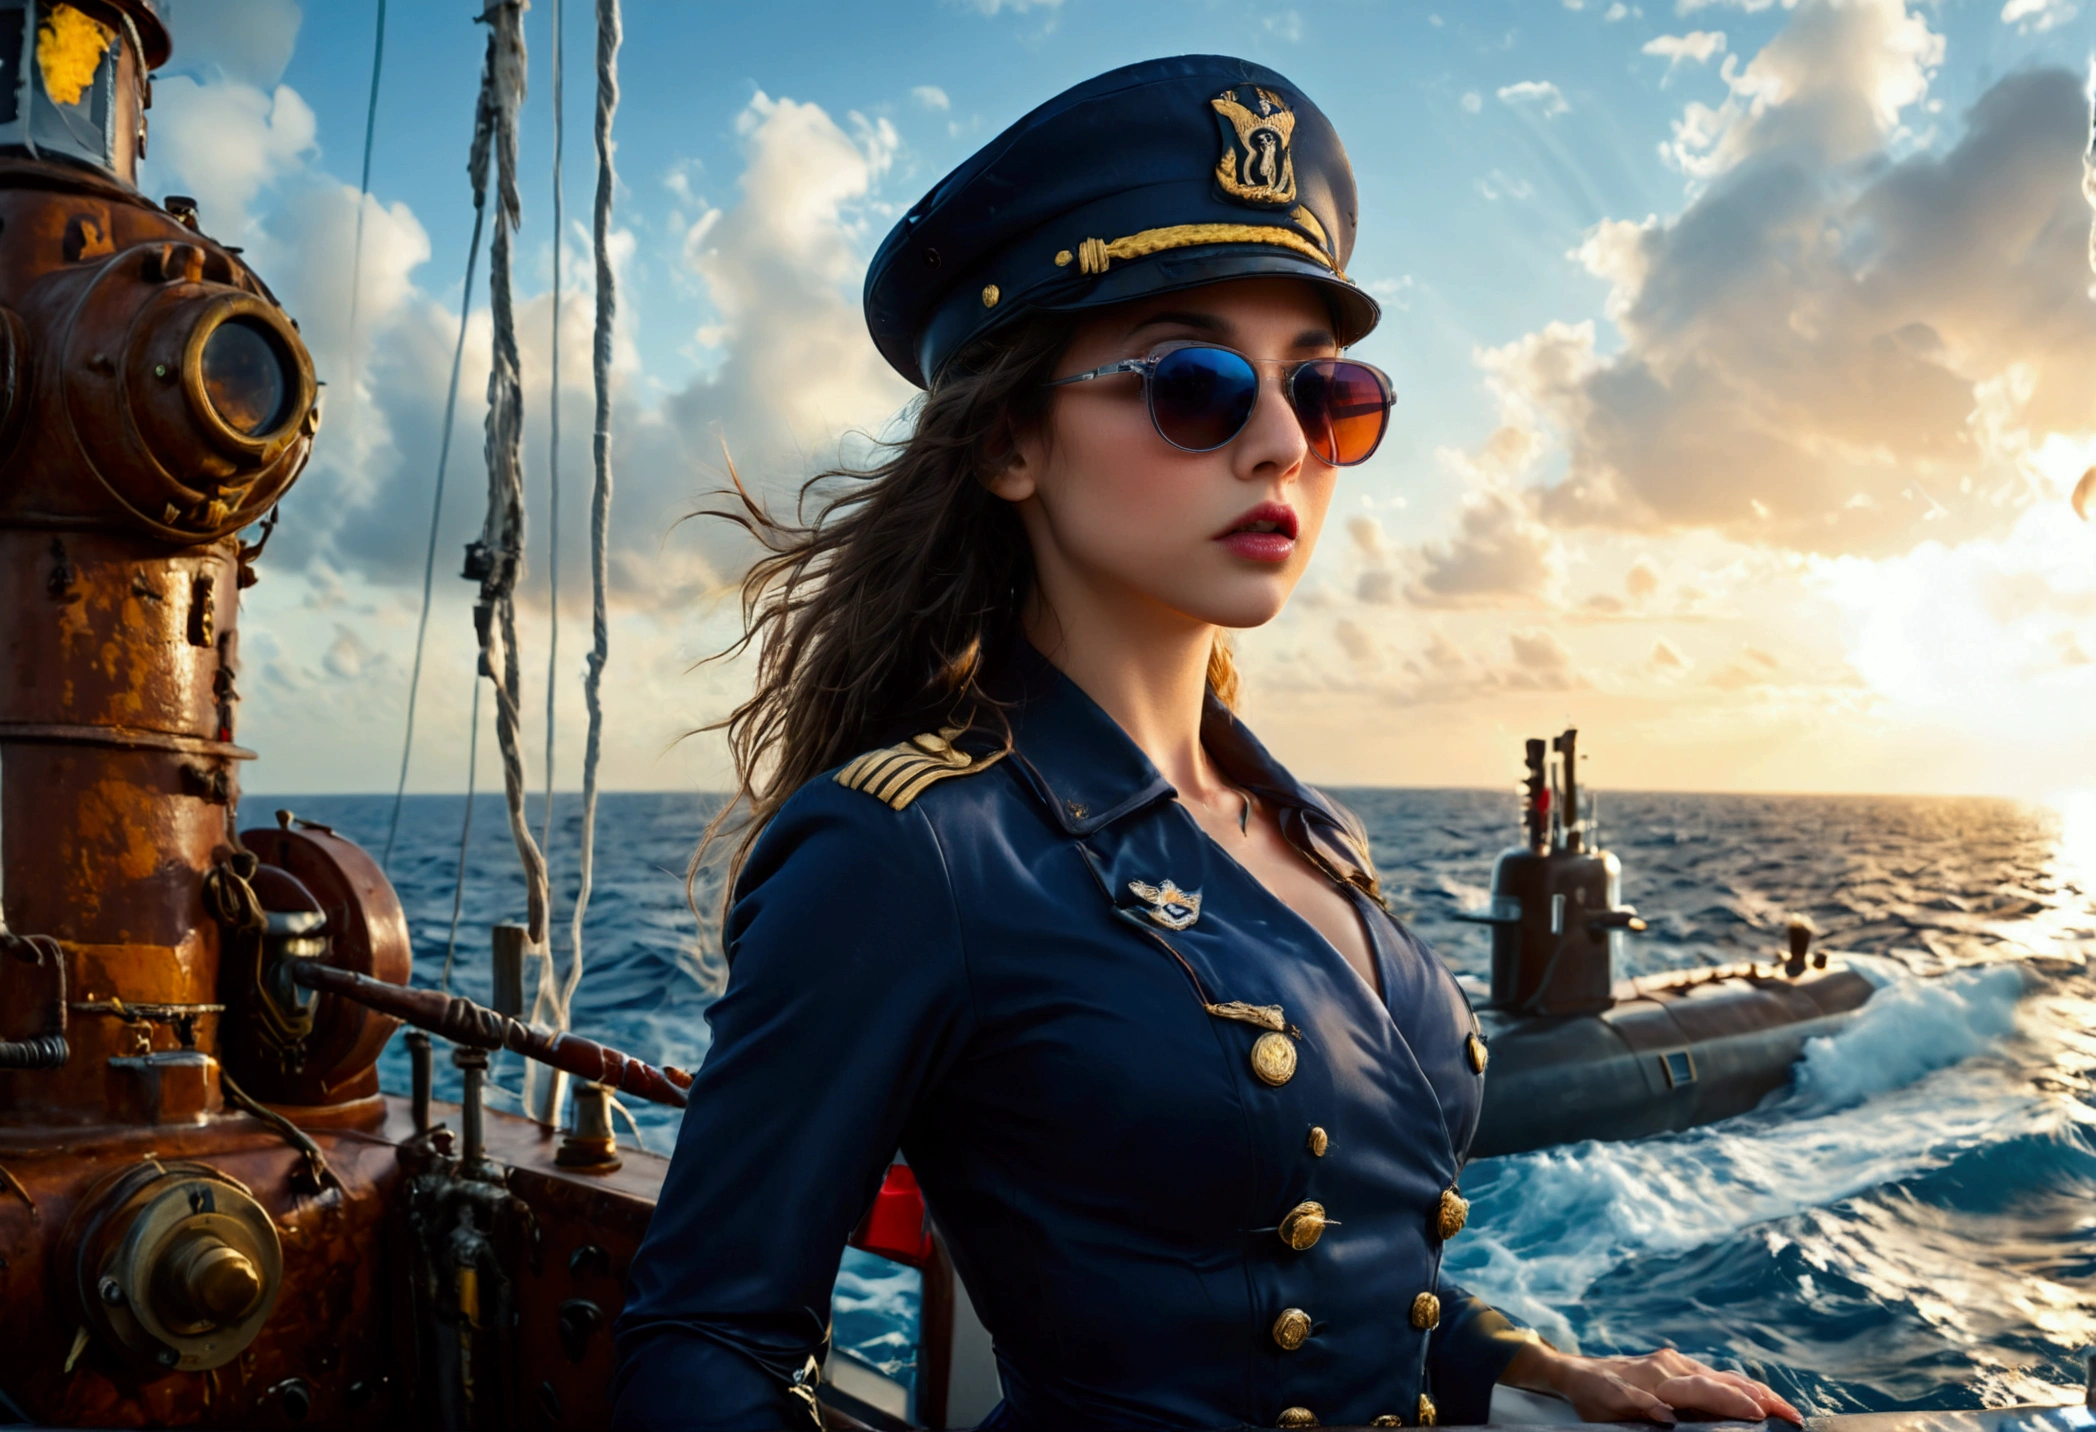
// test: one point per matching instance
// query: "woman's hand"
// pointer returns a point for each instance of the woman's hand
(1656, 1387)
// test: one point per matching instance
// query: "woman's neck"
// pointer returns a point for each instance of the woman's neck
(1145, 667)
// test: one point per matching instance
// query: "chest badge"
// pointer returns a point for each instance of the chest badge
(1257, 130)
(1171, 907)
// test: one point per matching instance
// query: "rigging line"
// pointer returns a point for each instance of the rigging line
(458, 883)
(608, 37)
(560, 133)
(356, 261)
(477, 176)
(497, 559)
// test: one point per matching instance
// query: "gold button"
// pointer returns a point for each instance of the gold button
(1291, 1328)
(1476, 1045)
(990, 295)
(1303, 1225)
(1426, 1312)
(1273, 1059)
(1427, 1411)
(1318, 1142)
(1296, 1417)
(1452, 1215)
(1388, 1419)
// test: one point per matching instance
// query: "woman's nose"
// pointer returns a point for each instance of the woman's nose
(1272, 441)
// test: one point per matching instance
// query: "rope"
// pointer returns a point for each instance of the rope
(560, 132)
(608, 35)
(477, 176)
(498, 557)
(458, 882)
(356, 261)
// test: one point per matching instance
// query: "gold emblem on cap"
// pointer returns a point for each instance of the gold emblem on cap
(990, 295)
(1474, 1045)
(1171, 907)
(1426, 1312)
(1303, 1225)
(1273, 1059)
(1296, 1417)
(1257, 166)
(1453, 1213)
(1291, 1328)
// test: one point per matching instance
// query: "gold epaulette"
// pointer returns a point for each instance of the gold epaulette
(900, 774)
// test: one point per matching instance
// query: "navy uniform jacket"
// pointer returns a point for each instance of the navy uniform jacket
(979, 979)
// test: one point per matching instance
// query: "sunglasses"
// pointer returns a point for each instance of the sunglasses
(1201, 397)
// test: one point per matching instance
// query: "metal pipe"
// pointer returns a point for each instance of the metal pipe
(473, 1069)
(420, 1071)
(463, 1022)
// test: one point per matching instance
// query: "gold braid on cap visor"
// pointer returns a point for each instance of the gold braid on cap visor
(1094, 256)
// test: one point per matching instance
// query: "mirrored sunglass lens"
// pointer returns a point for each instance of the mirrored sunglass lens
(1344, 408)
(1200, 398)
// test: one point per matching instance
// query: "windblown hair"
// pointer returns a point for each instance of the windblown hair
(879, 617)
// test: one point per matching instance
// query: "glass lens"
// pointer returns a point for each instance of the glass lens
(1344, 408)
(244, 377)
(1200, 398)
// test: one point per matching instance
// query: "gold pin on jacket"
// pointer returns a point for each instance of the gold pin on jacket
(1171, 907)
(899, 774)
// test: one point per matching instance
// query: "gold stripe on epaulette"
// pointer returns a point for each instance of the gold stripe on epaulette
(899, 774)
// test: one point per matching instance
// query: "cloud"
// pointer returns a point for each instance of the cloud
(225, 142)
(1696, 47)
(1016, 7)
(1472, 102)
(247, 41)
(1499, 556)
(1642, 580)
(1829, 350)
(2037, 16)
(1667, 656)
(1541, 662)
(1542, 94)
(1355, 641)
(931, 97)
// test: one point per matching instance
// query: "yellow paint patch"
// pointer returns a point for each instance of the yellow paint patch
(69, 48)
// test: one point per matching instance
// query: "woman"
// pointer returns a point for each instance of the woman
(1024, 899)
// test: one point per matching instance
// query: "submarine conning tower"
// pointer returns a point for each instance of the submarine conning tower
(172, 1104)
(1556, 911)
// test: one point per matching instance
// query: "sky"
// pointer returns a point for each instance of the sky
(1743, 348)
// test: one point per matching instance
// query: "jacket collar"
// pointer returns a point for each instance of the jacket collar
(1089, 774)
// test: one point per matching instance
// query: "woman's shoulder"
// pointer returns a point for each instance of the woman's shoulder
(884, 807)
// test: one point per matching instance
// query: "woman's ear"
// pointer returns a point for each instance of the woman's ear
(1011, 466)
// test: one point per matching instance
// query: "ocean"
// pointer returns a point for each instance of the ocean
(1910, 1225)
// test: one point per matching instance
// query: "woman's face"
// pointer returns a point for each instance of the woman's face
(1116, 513)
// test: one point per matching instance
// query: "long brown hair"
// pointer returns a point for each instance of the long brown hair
(878, 617)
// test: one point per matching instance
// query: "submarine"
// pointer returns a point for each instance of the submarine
(1577, 1054)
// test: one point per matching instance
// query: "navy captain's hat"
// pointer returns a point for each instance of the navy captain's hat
(1159, 176)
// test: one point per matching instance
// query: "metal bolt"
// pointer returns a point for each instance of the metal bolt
(160, 370)
(112, 1291)
(167, 1357)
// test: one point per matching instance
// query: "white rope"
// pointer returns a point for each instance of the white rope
(608, 36)
(560, 144)
(502, 534)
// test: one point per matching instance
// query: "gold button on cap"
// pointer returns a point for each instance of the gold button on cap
(1273, 1059)
(1296, 1417)
(1453, 1213)
(1318, 1141)
(1426, 1312)
(1475, 1044)
(1291, 1328)
(1427, 1411)
(1303, 1225)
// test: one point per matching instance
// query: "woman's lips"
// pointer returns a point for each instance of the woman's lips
(1264, 534)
